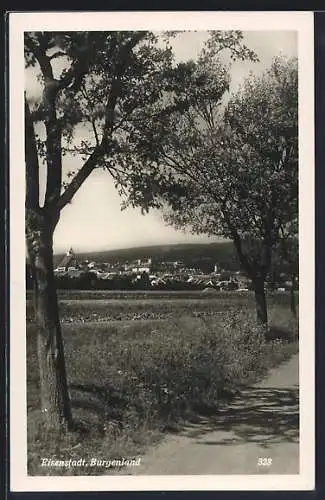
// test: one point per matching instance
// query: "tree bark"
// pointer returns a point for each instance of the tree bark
(260, 300)
(292, 297)
(55, 400)
(258, 278)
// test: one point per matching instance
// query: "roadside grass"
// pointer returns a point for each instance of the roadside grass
(131, 381)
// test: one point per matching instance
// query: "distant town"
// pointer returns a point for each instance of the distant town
(156, 273)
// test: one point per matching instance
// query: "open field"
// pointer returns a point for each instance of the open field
(84, 306)
(278, 297)
(148, 366)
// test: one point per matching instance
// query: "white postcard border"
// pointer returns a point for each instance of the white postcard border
(201, 21)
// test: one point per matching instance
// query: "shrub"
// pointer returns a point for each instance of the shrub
(189, 365)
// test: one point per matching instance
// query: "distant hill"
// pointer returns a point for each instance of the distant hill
(222, 253)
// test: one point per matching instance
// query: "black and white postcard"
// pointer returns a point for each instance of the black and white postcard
(161, 251)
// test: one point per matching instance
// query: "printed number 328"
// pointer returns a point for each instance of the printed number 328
(264, 461)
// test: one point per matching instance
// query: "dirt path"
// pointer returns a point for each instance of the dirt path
(263, 422)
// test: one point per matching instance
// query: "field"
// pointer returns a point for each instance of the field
(141, 364)
(84, 306)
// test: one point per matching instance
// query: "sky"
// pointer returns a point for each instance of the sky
(94, 220)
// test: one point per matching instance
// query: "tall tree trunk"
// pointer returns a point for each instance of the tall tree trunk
(260, 301)
(292, 296)
(55, 401)
(257, 276)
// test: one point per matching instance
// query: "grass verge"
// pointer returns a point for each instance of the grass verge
(131, 381)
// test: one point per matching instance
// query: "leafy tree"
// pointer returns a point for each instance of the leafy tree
(100, 93)
(236, 164)
(264, 117)
(286, 256)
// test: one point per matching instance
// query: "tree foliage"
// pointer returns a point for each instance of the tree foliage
(242, 172)
(234, 164)
(102, 92)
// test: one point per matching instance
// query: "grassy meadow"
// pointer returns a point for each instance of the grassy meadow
(140, 365)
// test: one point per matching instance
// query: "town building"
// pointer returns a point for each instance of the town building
(68, 263)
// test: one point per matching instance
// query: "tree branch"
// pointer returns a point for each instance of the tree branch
(116, 83)
(78, 180)
(54, 160)
(40, 55)
(93, 123)
(102, 148)
(238, 244)
(31, 160)
(59, 53)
